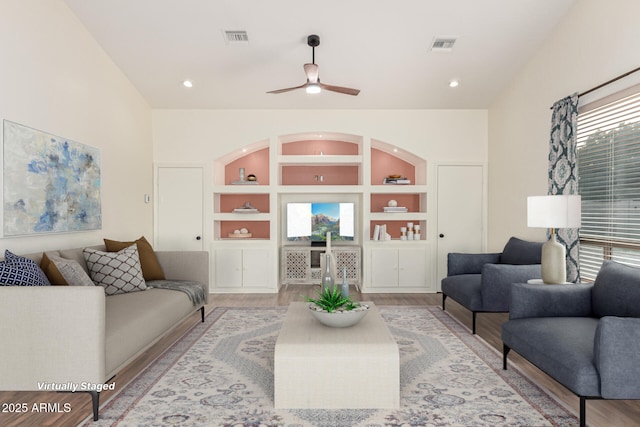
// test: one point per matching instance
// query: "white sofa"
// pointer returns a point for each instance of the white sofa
(65, 337)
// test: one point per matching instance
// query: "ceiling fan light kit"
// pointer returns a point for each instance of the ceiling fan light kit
(313, 84)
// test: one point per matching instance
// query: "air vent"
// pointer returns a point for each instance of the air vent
(236, 37)
(442, 44)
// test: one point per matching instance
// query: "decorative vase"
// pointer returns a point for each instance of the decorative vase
(345, 284)
(327, 278)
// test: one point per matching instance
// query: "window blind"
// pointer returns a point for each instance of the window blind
(608, 151)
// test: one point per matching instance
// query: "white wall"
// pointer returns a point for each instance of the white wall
(54, 77)
(597, 40)
(201, 136)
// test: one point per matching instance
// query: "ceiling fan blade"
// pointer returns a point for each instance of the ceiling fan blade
(340, 89)
(288, 89)
(311, 70)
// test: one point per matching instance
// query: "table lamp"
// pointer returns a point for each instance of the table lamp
(560, 211)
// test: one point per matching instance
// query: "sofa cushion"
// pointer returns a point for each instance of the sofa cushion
(135, 320)
(465, 289)
(20, 271)
(562, 347)
(521, 252)
(118, 272)
(151, 269)
(616, 291)
(72, 273)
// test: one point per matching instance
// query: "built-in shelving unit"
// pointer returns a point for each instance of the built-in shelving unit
(305, 167)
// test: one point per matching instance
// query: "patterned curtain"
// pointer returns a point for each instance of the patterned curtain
(563, 173)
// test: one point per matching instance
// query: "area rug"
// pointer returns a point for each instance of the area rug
(220, 373)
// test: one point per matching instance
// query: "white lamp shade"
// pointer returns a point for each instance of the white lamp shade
(561, 211)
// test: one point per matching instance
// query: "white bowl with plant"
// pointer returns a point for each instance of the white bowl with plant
(334, 310)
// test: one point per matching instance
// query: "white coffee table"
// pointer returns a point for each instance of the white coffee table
(333, 368)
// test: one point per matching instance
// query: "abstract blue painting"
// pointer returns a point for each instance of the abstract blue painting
(50, 184)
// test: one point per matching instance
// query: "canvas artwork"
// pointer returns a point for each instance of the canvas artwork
(51, 184)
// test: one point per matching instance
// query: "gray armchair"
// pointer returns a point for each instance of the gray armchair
(482, 282)
(585, 336)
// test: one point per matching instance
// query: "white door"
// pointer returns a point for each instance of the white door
(179, 208)
(460, 225)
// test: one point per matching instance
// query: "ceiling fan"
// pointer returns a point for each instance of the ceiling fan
(313, 84)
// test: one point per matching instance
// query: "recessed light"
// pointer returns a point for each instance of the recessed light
(187, 83)
(454, 83)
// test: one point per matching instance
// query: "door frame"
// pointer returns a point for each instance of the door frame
(207, 197)
(433, 201)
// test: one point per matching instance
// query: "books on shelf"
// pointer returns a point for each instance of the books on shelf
(396, 181)
(380, 232)
(395, 209)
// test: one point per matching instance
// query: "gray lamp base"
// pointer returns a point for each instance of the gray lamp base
(554, 263)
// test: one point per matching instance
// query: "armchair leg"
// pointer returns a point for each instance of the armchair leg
(202, 313)
(444, 297)
(583, 411)
(473, 326)
(505, 350)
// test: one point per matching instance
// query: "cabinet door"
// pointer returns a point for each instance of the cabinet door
(384, 268)
(256, 268)
(349, 258)
(228, 268)
(296, 266)
(412, 267)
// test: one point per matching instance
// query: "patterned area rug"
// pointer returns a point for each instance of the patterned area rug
(221, 374)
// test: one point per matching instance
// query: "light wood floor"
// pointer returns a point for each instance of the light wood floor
(600, 413)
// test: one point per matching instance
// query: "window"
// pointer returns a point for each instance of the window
(608, 153)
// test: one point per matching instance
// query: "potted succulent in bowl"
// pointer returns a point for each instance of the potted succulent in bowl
(334, 310)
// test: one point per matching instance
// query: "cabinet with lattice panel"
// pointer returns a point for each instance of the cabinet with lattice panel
(303, 265)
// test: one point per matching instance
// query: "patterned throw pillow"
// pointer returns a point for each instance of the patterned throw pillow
(118, 272)
(71, 271)
(20, 271)
(151, 269)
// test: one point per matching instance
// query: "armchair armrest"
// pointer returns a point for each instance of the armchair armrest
(566, 300)
(497, 281)
(617, 357)
(51, 334)
(458, 263)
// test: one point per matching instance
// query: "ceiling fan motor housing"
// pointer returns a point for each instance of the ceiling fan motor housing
(313, 40)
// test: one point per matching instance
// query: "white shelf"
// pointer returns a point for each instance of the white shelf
(397, 188)
(242, 189)
(226, 216)
(324, 160)
(398, 216)
(315, 189)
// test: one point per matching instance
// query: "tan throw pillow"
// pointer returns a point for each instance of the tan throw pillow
(51, 271)
(118, 272)
(151, 269)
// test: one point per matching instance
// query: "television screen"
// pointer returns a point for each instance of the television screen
(311, 221)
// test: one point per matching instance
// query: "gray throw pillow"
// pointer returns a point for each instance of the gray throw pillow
(72, 272)
(118, 272)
